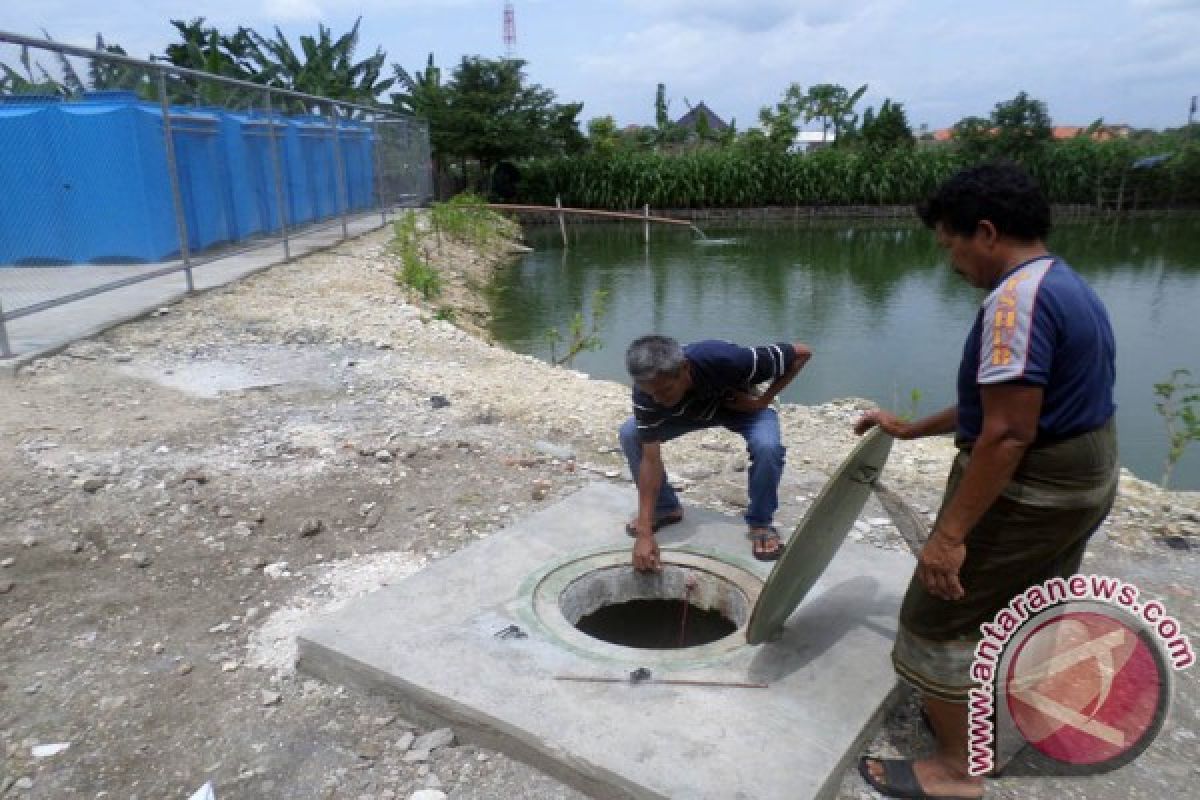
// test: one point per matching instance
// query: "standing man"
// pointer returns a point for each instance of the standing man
(1036, 471)
(682, 389)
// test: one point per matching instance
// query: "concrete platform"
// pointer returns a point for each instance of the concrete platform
(431, 641)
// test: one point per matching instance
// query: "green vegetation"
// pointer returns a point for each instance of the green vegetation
(415, 271)
(467, 219)
(1179, 405)
(580, 335)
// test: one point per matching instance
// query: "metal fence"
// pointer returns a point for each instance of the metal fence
(116, 171)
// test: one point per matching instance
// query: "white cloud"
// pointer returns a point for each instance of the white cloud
(292, 10)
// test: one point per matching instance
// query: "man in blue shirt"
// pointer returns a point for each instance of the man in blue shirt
(682, 389)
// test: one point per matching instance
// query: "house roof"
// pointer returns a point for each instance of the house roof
(688, 120)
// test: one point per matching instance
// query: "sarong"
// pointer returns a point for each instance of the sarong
(1037, 529)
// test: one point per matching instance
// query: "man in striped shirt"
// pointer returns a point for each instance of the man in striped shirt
(682, 389)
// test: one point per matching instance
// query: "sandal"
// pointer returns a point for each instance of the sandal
(899, 780)
(760, 538)
(670, 518)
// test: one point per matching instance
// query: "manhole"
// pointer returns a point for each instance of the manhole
(697, 607)
(679, 607)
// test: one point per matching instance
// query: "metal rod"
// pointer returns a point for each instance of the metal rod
(277, 164)
(173, 173)
(376, 151)
(586, 212)
(666, 681)
(343, 191)
(87, 52)
(5, 350)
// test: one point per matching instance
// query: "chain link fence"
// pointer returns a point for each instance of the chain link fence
(116, 171)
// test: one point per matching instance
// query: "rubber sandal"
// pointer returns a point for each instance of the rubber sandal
(761, 539)
(660, 523)
(899, 780)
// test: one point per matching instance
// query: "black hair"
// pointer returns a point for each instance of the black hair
(1000, 192)
(653, 355)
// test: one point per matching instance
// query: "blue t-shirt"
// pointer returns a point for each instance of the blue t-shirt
(718, 368)
(1043, 326)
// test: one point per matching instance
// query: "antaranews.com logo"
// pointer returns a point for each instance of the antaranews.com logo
(1078, 668)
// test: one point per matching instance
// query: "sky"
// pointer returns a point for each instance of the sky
(1134, 62)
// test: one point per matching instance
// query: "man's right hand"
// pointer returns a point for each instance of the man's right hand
(890, 423)
(645, 553)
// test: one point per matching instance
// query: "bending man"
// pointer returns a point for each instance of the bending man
(678, 390)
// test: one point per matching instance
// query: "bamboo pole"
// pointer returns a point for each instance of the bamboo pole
(587, 212)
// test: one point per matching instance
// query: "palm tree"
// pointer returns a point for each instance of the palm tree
(324, 67)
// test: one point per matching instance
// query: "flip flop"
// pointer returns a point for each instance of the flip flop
(761, 539)
(659, 523)
(899, 780)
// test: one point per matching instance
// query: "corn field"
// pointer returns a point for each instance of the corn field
(1073, 171)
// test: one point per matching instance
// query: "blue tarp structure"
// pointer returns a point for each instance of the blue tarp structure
(87, 181)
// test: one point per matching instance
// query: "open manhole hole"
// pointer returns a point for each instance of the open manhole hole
(676, 608)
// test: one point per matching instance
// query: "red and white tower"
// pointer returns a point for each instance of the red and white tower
(510, 30)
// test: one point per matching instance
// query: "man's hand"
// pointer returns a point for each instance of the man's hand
(938, 565)
(745, 402)
(645, 553)
(889, 422)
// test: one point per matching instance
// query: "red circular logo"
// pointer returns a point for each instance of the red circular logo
(1084, 688)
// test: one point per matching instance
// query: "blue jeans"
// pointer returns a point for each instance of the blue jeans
(761, 432)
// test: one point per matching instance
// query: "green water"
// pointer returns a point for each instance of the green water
(878, 303)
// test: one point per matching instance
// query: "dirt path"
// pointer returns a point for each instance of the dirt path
(177, 496)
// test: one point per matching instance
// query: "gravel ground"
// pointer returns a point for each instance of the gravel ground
(179, 495)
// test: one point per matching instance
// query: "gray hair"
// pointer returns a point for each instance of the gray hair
(653, 355)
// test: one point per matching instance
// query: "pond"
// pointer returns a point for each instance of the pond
(876, 301)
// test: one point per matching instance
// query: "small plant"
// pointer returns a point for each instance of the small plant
(579, 336)
(445, 314)
(914, 404)
(414, 271)
(467, 218)
(1179, 405)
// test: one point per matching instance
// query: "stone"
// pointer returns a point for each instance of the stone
(554, 450)
(733, 496)
(195, 474)
(25, 784)
(311, 527)
(224, 512)
(29, 541)
(737, 464)
(421, 794)
(141, 559)
(93, 485)
(438, 401)
(184, 669)
(404, 742)
(416, 756)
(442, 737)
(6, 587)
(384, 456)
(269, 698)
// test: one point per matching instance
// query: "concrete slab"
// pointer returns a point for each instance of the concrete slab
(48, 331)
(431, 641)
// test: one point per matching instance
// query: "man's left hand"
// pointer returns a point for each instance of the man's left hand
(745, 402)
(938, 565)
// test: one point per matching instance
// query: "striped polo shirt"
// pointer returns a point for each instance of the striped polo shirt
(1042, 326)
(718, 369)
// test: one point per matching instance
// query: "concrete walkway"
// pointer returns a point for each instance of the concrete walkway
(48, 331)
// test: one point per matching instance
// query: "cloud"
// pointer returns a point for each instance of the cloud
(292, 10)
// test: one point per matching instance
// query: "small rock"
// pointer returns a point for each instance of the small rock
(48, 750)
(221, 628)
(270, 698)
(7, 562)
(29, 541)
(25, 784)
(737, 464)
(442, 737)
(374, 517)
(277, 570)
(438, 401)
(6, 587)
(254, 562)
(405, 741)
(230, 666)
(539, 493)
(311, 527)
(157, 648)
(194, 474)
(224, 512)
(554, 450)
(93, 485)
(416, 756)
(142, 559)
(122, 358)
(384, 456)
(184, 669)
(861, 526)
(879, 522)
(420, 794)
